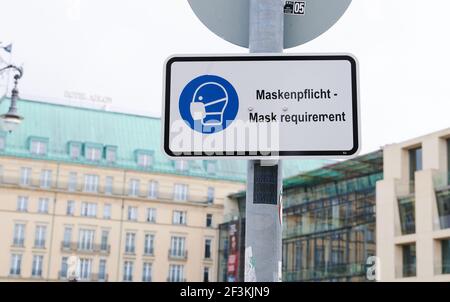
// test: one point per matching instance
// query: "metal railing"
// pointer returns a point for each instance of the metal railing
(178, 254)
(169, 279)
(93, 277)
(12, 179)
(325, 272)
(85, 248)
(149, 252)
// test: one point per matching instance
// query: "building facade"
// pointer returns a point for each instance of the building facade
(329, 221)
(94, 184)
(328, 224)
(413, 210)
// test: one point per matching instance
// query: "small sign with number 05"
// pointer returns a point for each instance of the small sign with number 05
(295, 7)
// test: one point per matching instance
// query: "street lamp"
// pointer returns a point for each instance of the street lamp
(11, 120)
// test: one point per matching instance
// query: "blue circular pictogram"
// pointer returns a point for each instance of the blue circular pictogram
(209, 104)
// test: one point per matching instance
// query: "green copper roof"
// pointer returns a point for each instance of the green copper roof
(62, 124)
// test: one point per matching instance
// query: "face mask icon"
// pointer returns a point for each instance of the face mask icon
(209, 103)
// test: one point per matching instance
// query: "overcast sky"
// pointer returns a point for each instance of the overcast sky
(116, 49)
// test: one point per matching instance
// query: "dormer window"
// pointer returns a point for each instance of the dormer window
(38, 146)
(111, 154)
(144, 158)
(211, 167)
(93, 152)
(75, 150)
(181, 165)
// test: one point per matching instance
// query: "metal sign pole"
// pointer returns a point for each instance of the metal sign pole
(263, 226)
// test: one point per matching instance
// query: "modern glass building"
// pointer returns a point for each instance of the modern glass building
(328, 219)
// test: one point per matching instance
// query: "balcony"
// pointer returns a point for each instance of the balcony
(149, 252)
(11, 178)
(62, 275)
(178, 254)
(86, 248)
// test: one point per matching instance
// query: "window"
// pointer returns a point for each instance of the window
(148, 244)
(130, 243)
(43, 205)
(74, 150)
(36, 270)
(107, 211)
(209, 220)
(415, 162)
(181, 165)
(84, 268)
(151, 215)
(132, 213)
(128, 271)
(179, 217)
(88, 209)
(445, 247)
(104, 241)
(144, 158)
(64, 268)
(407, 215)
(46, 179)
(134, 187)
(443, 203)
(67, 237)
(147, 272)
(93, 153)
(25, 176)
(91, 183)
(39, 239)
(16, 264)
(38, 147)
(176, 273)
(181, 192)
(109, 185)
(70, 211)
(102, 270)
(177, 247)
(153, 189)
(22, 204)
(72, 186)
(19, 235)
(409, 260)
(210, 195)
(206, 274)
(86, 241)
(207, 248)
(111, 154)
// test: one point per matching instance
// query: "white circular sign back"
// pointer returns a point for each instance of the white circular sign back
(229, 19)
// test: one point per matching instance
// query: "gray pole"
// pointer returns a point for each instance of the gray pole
(263, 226)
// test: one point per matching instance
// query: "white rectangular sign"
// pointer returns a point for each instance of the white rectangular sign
(261, 106)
